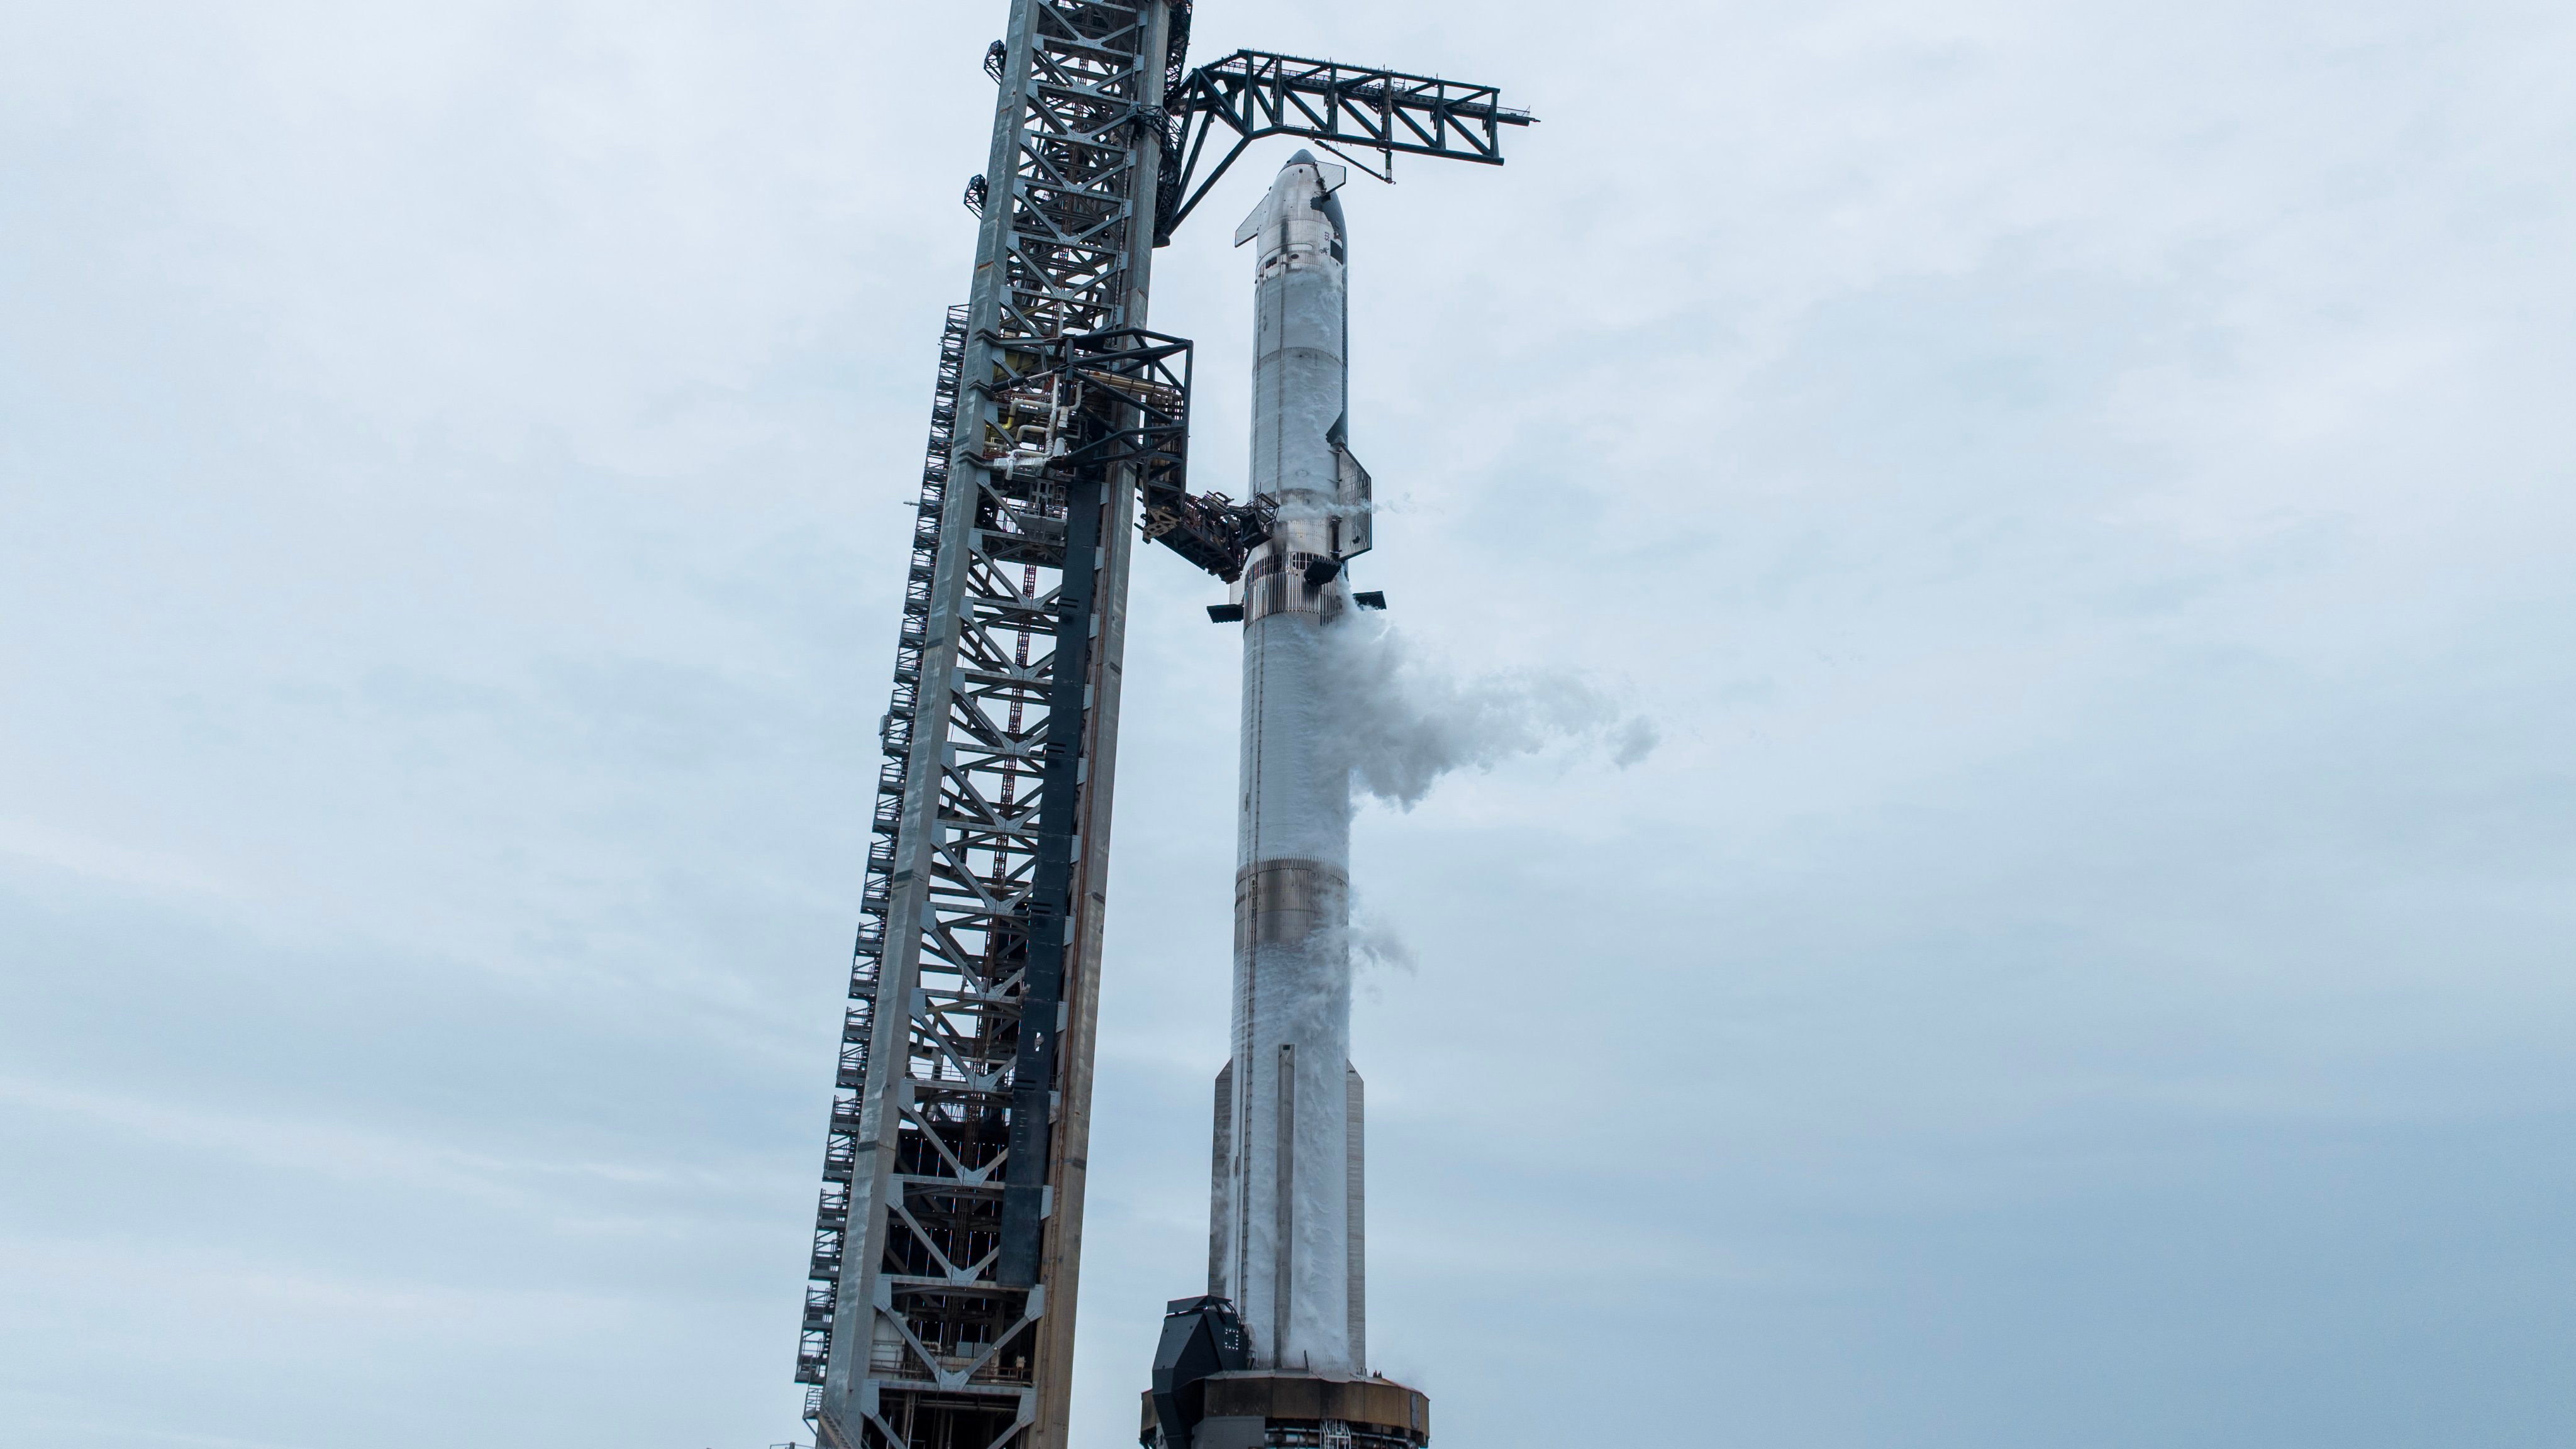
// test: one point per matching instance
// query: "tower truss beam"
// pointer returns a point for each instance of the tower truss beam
(1252, 94)
(947, 1236)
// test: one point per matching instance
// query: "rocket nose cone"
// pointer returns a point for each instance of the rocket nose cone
(1290, 192)
(1328, 183)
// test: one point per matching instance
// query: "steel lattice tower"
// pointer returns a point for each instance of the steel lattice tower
(947, 1242)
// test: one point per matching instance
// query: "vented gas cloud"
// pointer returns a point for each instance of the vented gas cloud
(1407, 720)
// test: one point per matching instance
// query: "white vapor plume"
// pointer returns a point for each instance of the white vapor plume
(1408, 721)
(1375, 944)
(1371, 943)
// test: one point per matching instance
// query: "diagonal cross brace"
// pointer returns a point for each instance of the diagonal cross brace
(1252, 94)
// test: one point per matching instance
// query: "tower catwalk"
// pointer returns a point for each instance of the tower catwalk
(1284, 1231)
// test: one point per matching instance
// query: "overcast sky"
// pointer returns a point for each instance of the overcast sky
(2083, 492)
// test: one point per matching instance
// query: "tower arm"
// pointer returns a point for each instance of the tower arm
(1252, 94)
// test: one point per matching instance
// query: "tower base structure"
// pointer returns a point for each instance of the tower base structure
(1207, 1395)
(1269, 1409)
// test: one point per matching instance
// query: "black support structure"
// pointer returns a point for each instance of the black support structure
(1252, 94)
(947, 1240)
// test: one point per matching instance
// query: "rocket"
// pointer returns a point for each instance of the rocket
(1286, 1241)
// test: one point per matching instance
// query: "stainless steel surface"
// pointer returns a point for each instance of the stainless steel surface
(1285, 1250)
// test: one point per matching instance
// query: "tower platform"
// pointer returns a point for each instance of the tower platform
(1269, 1409)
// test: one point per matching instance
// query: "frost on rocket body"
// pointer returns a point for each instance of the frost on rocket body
(1333, 704)
(1291, 764)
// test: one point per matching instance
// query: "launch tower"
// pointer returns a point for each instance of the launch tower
(948, 1237)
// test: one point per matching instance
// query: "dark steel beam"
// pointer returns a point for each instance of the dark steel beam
(1252, 94)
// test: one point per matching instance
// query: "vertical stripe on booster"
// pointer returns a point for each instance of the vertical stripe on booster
(1220, 1171)
(1358, 1219)
(1283, 1275)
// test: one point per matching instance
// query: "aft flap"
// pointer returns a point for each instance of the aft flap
(1353, 526)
